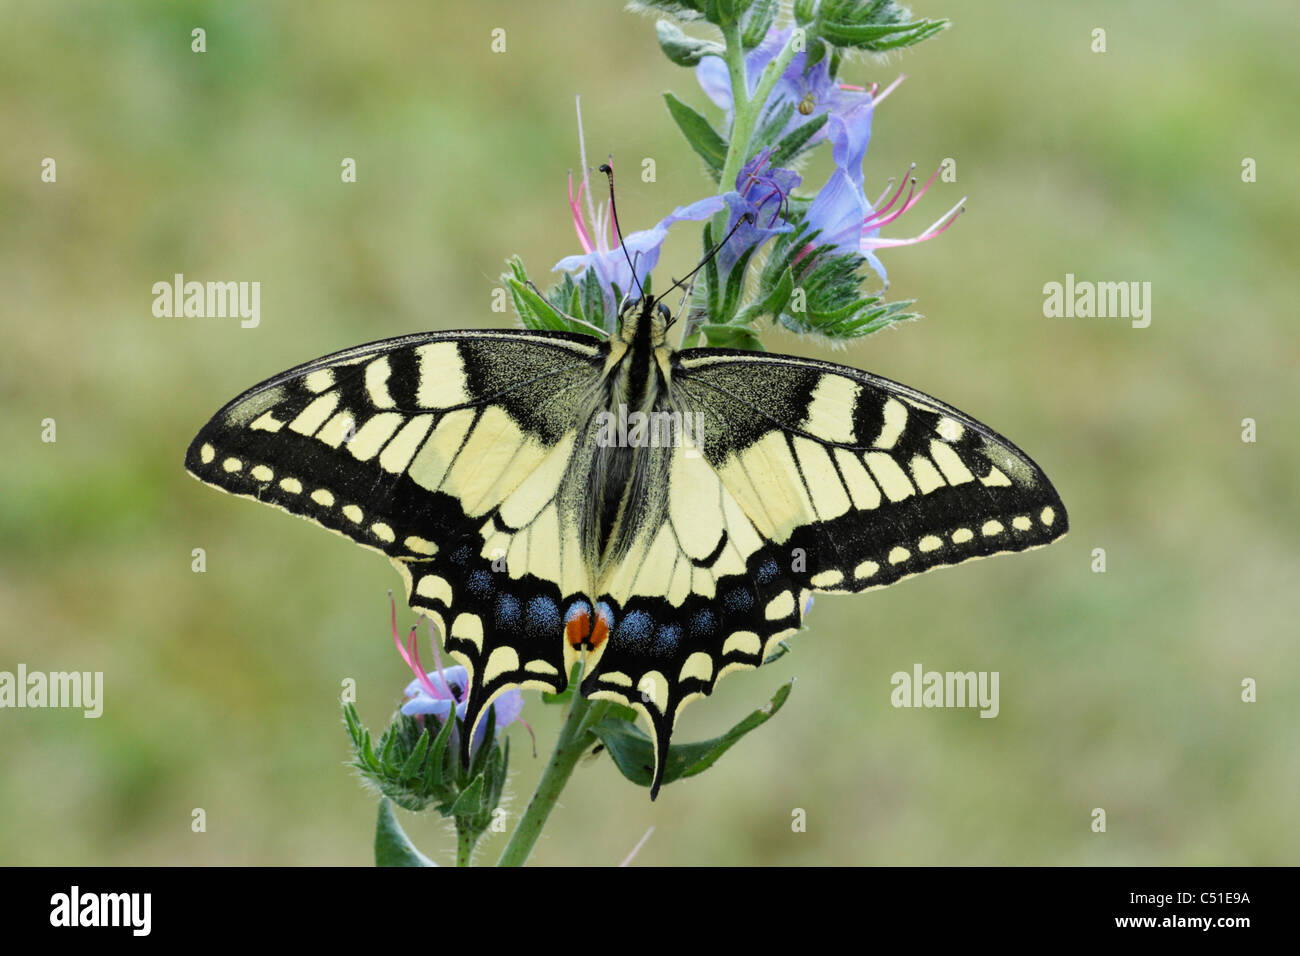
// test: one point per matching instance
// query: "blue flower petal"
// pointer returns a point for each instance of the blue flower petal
(455, 675)
(424, 704)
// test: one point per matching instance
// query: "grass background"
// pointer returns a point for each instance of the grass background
(1118, 690)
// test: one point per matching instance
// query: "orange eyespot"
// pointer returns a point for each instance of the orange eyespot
(600, 631)
(576, 628)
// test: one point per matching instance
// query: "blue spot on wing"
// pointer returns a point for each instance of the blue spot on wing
(479, 584)
(767, 571)
(634, 630)
(666, 639)
(508, 612)
(738, 600)
(542, 618)
(703, 624)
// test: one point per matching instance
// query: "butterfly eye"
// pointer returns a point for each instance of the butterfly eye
(664, 313)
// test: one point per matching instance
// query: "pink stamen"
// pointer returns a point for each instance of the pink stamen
(530, 734)
(874, 222)
(876, 100)
(884, 209)
(575, 205)
(947, 219)
(881, 198)
(912, 200)
(855, 89)
(801, 254)
(411, 654)
(582, 153)
(437, 663)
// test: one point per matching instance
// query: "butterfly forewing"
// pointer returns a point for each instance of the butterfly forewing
(444, 452)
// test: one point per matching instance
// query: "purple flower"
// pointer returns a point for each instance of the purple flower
(847, 221)
(436, 692)
(763, 192)
(812, 94)
(609, 261)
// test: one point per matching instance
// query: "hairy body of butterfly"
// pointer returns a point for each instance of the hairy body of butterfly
(480, 463)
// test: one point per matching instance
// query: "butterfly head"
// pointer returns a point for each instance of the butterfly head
(645, 318)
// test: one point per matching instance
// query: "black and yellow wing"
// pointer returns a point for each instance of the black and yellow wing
(445, 452)
(807, 476)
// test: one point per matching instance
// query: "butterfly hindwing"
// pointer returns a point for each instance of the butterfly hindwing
(437, 451)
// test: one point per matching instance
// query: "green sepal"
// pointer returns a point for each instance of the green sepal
(470, 801)
(834, 306)
(772, 299)
(591, 299)
(794, 142)
(561, 309)
(683, 49)
(684, 10)
(735, 284)
(417, 768)
(392, 846)
(732, 337)
(872, 25)
(633, 752)
(700, 135)
(710, 278)
(756, 22)
(775, 118)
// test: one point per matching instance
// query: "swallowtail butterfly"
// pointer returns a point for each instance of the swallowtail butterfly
(504, 475)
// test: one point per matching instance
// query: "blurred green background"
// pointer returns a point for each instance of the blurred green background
(1118, 690)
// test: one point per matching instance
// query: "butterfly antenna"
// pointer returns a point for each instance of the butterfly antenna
(680, 283)
(608, 170)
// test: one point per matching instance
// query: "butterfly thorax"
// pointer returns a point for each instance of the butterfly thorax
(625, 461)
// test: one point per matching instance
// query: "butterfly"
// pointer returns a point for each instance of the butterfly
(659, 515)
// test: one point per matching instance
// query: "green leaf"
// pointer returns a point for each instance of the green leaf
(683, 49)
(793, 143)
(548, 313)
(773, 298)
(534, 311)
(633, 754)
(684, 10)
(392, 846)
(775, 118)
(619, 712)
(411, 767)
(757, 21)
(592, 299)
(470, 801)
(732, 337)
(735, 285)
(700, 134)
(710, 278)
(874, 25)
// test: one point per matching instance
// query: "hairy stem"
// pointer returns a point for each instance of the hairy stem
(464, 843)
(574, 741)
